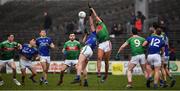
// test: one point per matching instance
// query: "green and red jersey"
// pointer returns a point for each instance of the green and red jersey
(102, 32)
(73, 49)
(6, 54)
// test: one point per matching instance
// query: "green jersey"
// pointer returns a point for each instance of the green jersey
(72, 49)
(136, 45)
(6, 54)
(102, 32)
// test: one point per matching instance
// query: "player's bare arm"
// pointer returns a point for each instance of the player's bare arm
(122, 47)
(95, 15)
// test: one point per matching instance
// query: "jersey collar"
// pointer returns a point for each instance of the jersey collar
(43, 36)
(155, 35)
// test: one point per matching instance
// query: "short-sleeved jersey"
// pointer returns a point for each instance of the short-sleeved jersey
(136, 45)
(43, 44)
(102, 32)
(72, 49)
(5, 54)
(155, 44)
(91, 40)
(28, 51)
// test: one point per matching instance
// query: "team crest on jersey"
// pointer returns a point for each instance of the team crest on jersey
(99, 28)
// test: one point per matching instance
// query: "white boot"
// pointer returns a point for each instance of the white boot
(1, 83)
(17, 82)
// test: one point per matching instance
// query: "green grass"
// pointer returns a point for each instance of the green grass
(113, 83)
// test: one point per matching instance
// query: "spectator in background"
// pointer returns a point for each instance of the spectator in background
(172, 54)
(133, 18)
(163, 23)
(120, 28)
(140, 16)
(47, 22)
(137, 21)
(70, 28)
(116, 29)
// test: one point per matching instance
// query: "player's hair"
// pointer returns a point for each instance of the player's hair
(33, 38)
(71, 33)
(134, 31)
(155, 25)
(158, 31)
(8, 35)
(42, 30)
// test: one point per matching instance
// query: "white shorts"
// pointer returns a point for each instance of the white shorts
(138, 59)
(87, 51)
(25, 64)
(166, 59)
(105, 46)
(45, 59)
(154, 59)
(70, 62)
(4, 62)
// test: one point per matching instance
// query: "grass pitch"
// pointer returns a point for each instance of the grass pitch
(113, 83)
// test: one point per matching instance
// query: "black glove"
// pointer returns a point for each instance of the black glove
(89, 5)
(117, 57)
(90, 12)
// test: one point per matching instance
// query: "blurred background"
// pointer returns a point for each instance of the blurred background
(25, 18)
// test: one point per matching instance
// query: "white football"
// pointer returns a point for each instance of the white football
(82, 14)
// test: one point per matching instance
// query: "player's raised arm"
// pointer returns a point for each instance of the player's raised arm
(122, 47)
(92, 28)
(95, 15)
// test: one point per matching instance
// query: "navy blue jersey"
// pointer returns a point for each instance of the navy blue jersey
(166, 50)
(91, 40)
(43, 44)
(155, 44)
(28, 51)
(166, 41)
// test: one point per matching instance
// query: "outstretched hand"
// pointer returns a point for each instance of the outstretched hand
(117, 57)
(89, 5)
(90, 10)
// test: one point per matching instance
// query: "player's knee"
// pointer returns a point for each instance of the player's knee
(129, 69)
(14, 68)
(34, 73)
(23, 76)
(106, 62)
(64, 67)
(99, 58)
(46, 70)
(152, 67)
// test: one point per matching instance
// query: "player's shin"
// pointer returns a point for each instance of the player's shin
(129, 76)
(14, 73)
(164, 73)
(99, 68)
(156, 76)
(0, 77)
(106, 68)
(61, 78)
(23, 75)
(79, 70)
